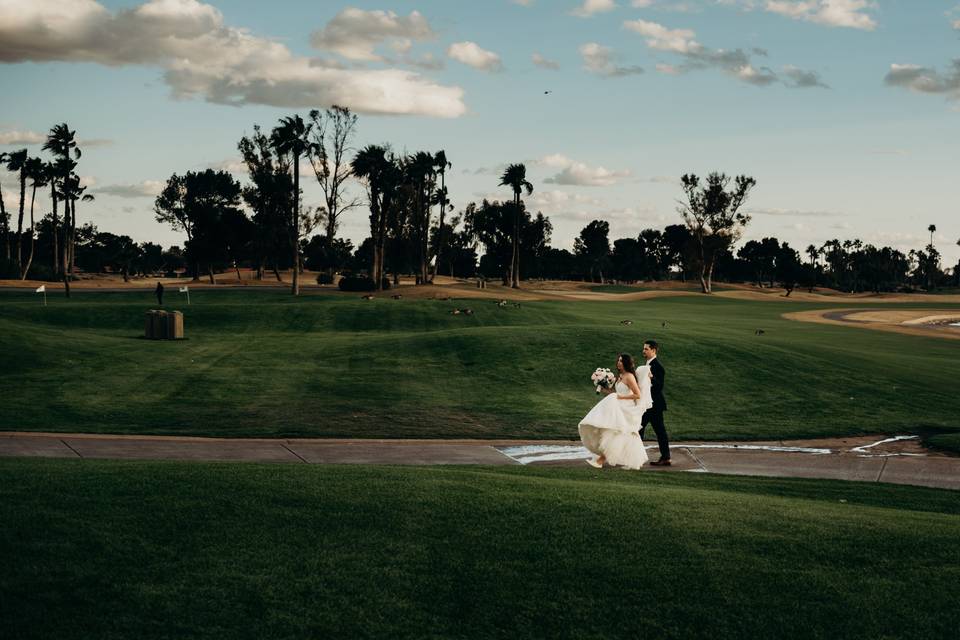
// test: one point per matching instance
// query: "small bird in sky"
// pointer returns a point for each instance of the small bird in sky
(546, 92)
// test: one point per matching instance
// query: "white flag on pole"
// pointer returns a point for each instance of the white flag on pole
(42, 288)
(183, 289)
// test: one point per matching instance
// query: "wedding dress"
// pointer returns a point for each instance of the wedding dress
(611, 429)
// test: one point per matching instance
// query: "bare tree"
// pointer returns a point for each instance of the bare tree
(713, 216)
(330, 143)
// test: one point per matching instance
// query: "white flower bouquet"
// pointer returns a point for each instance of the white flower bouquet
(603, 379)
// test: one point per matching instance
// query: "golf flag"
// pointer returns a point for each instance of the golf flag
(42, 288)
(183, 290)
(186, 290)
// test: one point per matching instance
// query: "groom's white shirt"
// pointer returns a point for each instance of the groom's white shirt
(651, 360)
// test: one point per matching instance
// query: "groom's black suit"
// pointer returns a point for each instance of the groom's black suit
(654, 415)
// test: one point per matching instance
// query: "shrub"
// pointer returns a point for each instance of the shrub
(325, 278)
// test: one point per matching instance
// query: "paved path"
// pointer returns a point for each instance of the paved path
(899, 460)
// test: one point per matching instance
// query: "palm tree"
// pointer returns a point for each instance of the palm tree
(370, 166)
(4, 222)
(36, 170)
(17, 162)
(421, 169)
(441, 164)
(932, 229)
(515, 177)
(52, 172)
(293, 136)
(72, 191)
(62, 142)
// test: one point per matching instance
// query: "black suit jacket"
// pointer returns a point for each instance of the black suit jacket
(659, 373)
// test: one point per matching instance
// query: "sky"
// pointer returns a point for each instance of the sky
(847, 112)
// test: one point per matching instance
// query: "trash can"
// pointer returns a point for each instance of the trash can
(174, 325)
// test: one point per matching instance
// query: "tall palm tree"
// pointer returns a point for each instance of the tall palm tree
(422, 171)
(52, 173)
(4, 222)
(36, 171)
(72, 191)
(441, 164)
(370, 166)
(17, 162)
(515, 177)
(932, 229)
(62, 143)
(292, 136)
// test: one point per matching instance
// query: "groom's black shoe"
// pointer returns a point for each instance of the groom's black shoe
(661, 463)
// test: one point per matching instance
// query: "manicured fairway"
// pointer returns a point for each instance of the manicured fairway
(261, 363)
(172, 550)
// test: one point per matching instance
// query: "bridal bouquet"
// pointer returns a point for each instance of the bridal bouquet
(603, 378)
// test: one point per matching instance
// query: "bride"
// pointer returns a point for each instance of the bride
(611, 428)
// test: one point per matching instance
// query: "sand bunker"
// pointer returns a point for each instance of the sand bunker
(915, 322)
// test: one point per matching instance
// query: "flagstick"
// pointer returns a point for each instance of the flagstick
(44, 297)
(188, 296)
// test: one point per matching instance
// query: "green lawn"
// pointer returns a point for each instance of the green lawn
(171, 550)
(260, 363)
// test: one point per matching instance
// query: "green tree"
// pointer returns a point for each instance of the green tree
(714, 218)
(270, 197)
(4, 216)
(37, 172)
(441, 164)
(593, 247)
(292, 137)
(62, 143)
(376, 169)
(515, 177)
(17, 163)
(206, 206)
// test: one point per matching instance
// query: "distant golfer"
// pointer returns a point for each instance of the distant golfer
(159, 293)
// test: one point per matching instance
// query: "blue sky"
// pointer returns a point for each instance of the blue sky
(846, 111)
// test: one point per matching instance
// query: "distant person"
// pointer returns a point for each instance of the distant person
(610, 429)
(654, 415)
(159, 293)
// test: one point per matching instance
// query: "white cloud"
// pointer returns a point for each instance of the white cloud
(925, 80)
(800, 213)
(22, 137)
(734, 62)
(592, 7)
(237, 167)
(472, 55)
(599, 60)
(832, 13)
(544, 63)
(523, 3)
(580, 174)
(145, 189)
(203, 57)
(663, 39)
(354, 33)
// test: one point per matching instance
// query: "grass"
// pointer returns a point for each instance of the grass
(260, 363)
(162, 550)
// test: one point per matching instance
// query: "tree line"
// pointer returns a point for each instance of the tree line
(263, 224)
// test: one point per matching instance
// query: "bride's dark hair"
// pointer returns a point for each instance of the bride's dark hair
(628, 364)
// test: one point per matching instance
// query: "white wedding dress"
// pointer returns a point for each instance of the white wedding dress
(611, 429)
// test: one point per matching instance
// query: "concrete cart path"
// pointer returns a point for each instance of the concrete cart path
(898, 459)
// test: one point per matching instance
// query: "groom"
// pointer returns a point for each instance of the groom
(654, 415)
